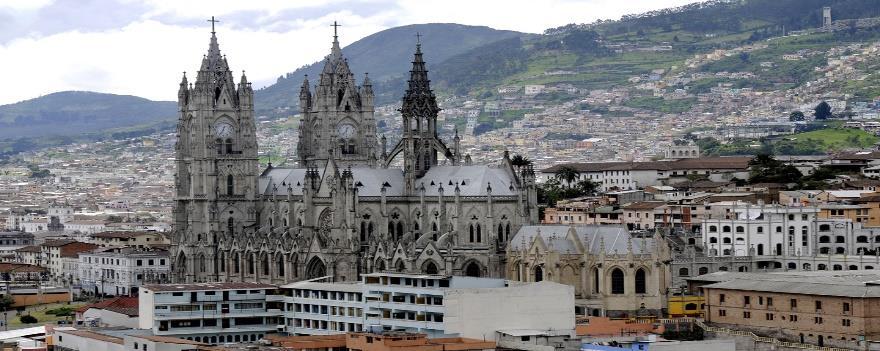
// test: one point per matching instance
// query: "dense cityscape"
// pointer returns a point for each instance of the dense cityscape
(643, 194)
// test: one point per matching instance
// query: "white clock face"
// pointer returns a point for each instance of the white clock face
(346, 131)
(223, 129)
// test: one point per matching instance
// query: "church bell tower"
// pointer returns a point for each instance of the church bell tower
(338, 119)
(217, 166)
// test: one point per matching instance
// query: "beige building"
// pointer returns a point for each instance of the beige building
(613, 274)
(824, 308)
(140, 239)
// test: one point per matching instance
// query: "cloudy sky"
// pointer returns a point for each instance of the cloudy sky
(140, 47)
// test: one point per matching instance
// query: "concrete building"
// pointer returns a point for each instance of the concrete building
(210, 312)
(386, 341)
(318, 308)
(120, 271)
(821, 308)
(467, 306)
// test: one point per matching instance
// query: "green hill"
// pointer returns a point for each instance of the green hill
(386, 56)
(78, 112)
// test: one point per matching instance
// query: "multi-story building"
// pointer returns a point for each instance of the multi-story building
(118, 271)
(762, 230)
(317, 308)
(59, 256)
(138, 239)
(210, 312)
(467, 306)
(638, 175)
(822, 308)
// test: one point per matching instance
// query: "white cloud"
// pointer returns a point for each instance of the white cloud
(146, 57)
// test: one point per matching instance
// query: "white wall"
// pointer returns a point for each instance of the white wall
(110, 318)
(73, 342)
(479, 313)
(146, 309)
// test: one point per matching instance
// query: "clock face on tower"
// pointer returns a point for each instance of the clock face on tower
(223, 129)
(345, 131)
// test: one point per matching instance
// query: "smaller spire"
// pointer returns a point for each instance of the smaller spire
(367, 79)
(335, 51)
(243, 78)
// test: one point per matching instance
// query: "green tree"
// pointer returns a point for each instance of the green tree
(796, 116)
(28, 319)
(6, 301)
(766, 169)
(567, 175)
(520, 161)
(822, 111)
(586, 187)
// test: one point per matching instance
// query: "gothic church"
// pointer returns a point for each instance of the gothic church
(344, 210)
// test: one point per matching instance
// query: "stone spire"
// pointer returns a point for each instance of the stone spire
(419, 100)
(335, 51)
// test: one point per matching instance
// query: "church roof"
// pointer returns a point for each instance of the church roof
(592, 236)
(471, 180)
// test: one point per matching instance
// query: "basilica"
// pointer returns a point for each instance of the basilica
(342, 209)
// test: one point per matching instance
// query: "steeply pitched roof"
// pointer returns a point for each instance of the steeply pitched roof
(592, 237)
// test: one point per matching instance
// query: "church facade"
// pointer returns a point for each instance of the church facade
(343, 210)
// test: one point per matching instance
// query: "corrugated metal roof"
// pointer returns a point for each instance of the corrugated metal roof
(860, 283)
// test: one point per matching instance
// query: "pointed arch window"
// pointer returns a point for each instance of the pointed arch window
(479, 233)
(229, 146)
(471, 227)
(363, 232)
(236, 264)
(640, 281)
(219, 145)
(230, 185)
(230, 226)
(280, 265)
(399, 230)
(617, 281)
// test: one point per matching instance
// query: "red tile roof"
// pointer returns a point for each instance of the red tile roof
(123, 304)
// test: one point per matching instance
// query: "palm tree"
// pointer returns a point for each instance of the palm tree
(520, 160)
(567, 174)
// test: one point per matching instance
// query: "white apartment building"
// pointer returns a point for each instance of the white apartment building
(210, 312)
(467, 306)
(121, 271)
(760, 230)
(319, 308)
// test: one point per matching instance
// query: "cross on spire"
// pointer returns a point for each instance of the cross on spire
(335, 26)
(213, 21)
(418, 38)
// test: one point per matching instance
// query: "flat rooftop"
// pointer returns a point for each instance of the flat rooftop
(207, 286)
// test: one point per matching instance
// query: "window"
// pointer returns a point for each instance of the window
(721, 298)
(846, 307)
(747, 300)
(792, 318)
(230, 185)
(793, 303)
(846, 322)
(683, 272)
(769, 316)
(722, 313)
(640, 281)
(769, 301)
(747, 314)
(617, 281)
(817, 320)
(818, 305)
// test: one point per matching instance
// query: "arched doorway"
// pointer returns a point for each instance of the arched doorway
(315, 268)
(473, 270)
(821, 340)
(539, 274)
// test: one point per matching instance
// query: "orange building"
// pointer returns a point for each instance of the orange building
(387, 341)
